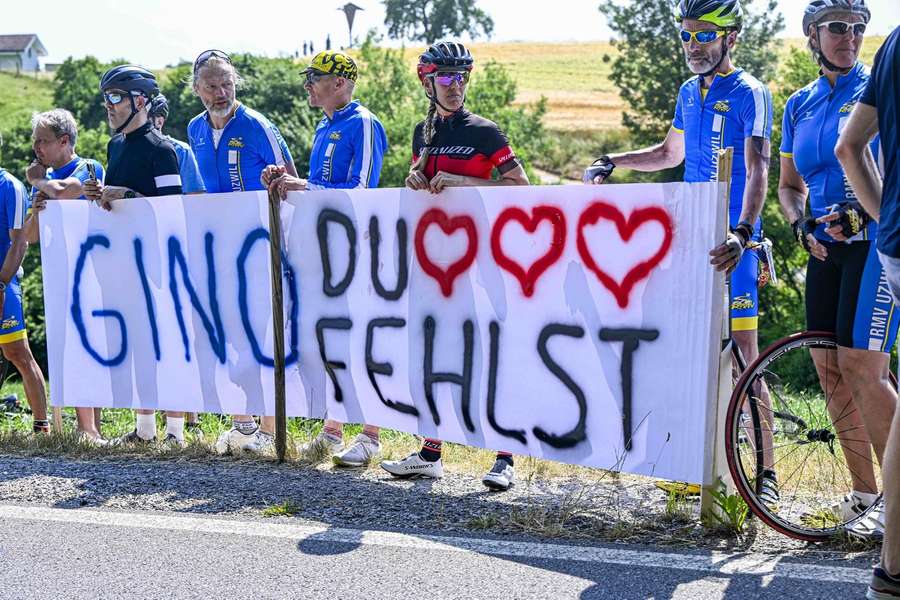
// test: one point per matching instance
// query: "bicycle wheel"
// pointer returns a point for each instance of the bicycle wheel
(791, 416)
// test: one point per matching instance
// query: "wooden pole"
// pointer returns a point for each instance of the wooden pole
(717, 467)
(277, 323)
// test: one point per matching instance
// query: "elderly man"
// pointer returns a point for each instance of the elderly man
(347, 152)
(59, 173)
(878, 111)
(233, 144)
(141, 163)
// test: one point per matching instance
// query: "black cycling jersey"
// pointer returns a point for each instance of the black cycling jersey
(465, 144)
(143, 161)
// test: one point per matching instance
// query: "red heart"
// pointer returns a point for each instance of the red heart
(602, 210)
(527, 279)
(448, 226)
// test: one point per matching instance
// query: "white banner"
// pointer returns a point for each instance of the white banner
(575, 323)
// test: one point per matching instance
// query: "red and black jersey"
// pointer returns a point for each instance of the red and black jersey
(465, 144)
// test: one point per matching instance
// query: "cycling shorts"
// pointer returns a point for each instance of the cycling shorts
(12, 328)
(848, 294)
(745, 293)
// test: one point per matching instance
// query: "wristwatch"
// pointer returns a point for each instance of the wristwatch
(2, 286)
(129, 194)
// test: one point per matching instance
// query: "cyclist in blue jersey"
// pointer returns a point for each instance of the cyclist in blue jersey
(721, 106)
(878, 111)
(59, 173)
(191, 182)
(846, 289)
(13, 337)
(347, 152)
(233, 145)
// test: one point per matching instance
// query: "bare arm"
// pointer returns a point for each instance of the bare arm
(792, 191)
(59, 188)
(668, 154)
(442, 179)
(756, 159)
(856, 158)
(13, 259)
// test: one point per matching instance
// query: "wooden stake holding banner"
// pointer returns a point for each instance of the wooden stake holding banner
(277, 324)
(720, 389)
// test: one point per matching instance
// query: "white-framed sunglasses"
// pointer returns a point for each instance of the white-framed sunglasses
(842, 27)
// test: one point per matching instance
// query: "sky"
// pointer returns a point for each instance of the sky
(157, 33)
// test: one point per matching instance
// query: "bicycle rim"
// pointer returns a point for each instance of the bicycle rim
(804, 420)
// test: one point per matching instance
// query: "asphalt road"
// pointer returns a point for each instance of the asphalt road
(97, 553)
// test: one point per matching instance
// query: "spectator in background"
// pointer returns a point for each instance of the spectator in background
(191, 182)
(233, 144)
(878, 110)
(59, 173)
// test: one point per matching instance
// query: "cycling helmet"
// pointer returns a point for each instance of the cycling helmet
(727, 14)
(333, 63)
(819, 10)
(159, 107)
(130, 78)
(444, 56)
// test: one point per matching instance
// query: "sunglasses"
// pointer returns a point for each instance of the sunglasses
(208, 54)
(447, 79)
(113, 98)
(703, 37)
(313, 78)
(842, 27)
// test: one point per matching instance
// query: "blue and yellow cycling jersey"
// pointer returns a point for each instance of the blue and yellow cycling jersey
(191, 182)
(813, 120)
(736, 106)
(77, 168)
(15, 202)
(347, 150)
(249, 143)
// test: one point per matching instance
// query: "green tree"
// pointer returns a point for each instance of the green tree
(649, 86)
(433, 20)
(77, 89)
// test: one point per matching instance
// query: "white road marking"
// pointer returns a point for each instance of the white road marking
(715, 563)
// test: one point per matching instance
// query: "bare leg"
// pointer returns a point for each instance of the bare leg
(848, 421)
(891, 470)
(866, 374)
(749, 346)
(18, 353)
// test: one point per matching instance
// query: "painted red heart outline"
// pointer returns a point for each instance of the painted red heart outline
(602, 210)
(436, 216)
(528, 279)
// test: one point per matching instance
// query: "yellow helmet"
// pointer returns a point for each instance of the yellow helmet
(333, 63)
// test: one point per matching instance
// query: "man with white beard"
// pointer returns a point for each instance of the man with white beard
(233, 144)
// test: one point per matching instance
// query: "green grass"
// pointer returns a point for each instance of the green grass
(22, 95)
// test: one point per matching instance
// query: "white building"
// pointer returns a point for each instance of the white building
(21, 53)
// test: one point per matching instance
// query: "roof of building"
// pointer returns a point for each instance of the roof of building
(20, 43)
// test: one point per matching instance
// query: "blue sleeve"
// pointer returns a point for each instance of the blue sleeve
(870, 94)
(191, 182)
(678, 121)
(82, 174)
(15, 204)
(272, 146)
(756, 113)
(787, 129)
(369, 147)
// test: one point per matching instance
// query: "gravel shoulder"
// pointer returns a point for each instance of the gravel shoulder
(617, 508)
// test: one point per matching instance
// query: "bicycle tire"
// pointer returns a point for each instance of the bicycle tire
(803, 511)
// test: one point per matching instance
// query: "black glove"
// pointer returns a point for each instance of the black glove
(602, 167)
(853, 218)
(803, 227)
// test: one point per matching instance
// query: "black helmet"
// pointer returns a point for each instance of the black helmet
(817, 10)
(727, 14)
(159, 107)
(445, 56)
(130, 78)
